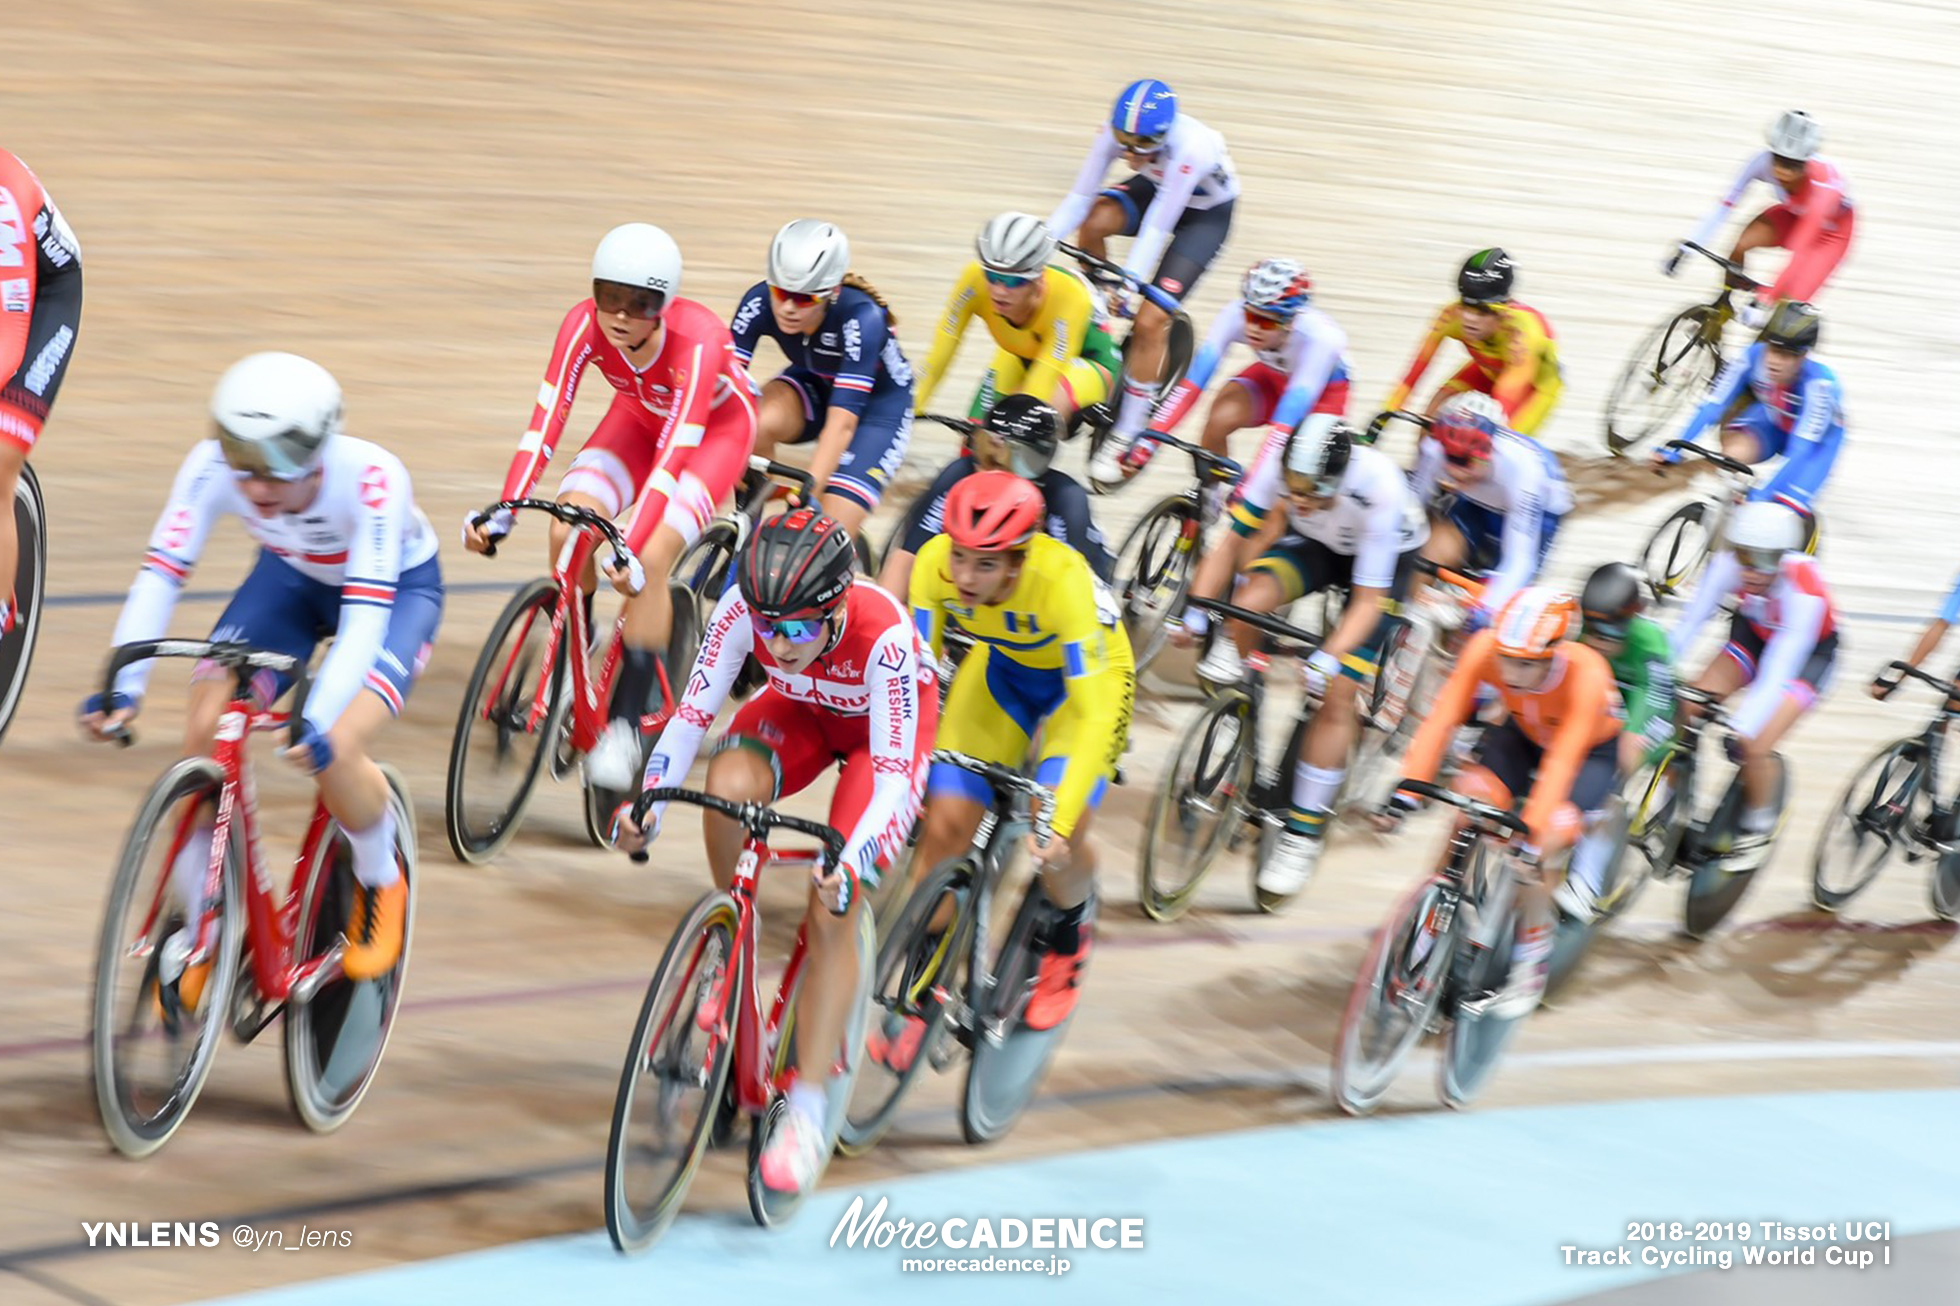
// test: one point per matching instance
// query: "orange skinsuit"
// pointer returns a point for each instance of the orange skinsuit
(1577, 710)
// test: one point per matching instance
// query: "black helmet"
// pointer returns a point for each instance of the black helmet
(1792, 325)
(1614, 595)
(1486, 278)
(800, 562)
(1032, 428)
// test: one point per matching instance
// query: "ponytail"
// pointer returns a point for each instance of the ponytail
(856, 282)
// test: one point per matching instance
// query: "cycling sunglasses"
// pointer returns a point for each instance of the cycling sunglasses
(252, 460)
(797, 630)
(1007, 279)
(1270, 320)
(1317, 487)
(1136, 144)
(634, 301)
(797, 299)
(1612, 632)
(1759, 560)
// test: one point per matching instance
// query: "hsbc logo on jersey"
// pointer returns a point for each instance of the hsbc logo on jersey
(374, 487)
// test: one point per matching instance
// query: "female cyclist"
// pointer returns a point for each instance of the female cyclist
(848, 386)
(674, 442)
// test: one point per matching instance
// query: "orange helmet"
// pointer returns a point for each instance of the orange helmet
(992, 511)
(1534, 620)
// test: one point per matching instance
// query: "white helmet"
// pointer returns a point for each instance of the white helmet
(809, 257)
(1795, 135)
(1018, 244)
(1475, 403)
(1766, 530)
(639, 254)
(274, 413)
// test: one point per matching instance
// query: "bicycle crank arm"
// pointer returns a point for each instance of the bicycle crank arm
(310, 983)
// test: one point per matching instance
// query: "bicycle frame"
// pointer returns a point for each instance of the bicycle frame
(755, 1083)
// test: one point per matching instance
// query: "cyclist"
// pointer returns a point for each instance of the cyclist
(1813, 216)
(1348, 518)
(847, 683)
(1020, 435)
(672, 446)
(40, 312)
(1049, 658)
(1611, 606)
(1782, 646)
(1557, 744)
(1178, 204)
(848, 386)
(1299, 367)
(1510, 496)
(1049, 326)
(343, 551)
(1513, 352)
(1929, 639)
(1776, 399)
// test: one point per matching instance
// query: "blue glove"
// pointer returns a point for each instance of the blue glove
(1479, 619)
(107, 704)
(318, 751)
(1733, 746)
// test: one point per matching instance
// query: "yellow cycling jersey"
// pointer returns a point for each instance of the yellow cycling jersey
(1059, 623)
(1050, 341)
(1519, 361)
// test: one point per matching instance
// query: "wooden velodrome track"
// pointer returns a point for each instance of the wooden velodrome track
(410, 194)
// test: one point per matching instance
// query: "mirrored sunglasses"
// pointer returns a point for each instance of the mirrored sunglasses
(797, 630)
(634, 301)
(1007, 279)
(797, 299)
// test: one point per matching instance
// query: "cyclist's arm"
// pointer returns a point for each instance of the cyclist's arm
(687, 423)
(20, 266)
(1226, 330)
(1812, 449)
(1227, 556)
(946, 341)
(1929, 639)
(1718, 581)
(1648, 678)
(1801, 624)
(1454, 702)
(893, 681)
(750, 325)
(1182, 174)
(926, 516)
(1068, 509)
(569, 354)
(1524, 523)
(1068, 215)
(1428, 470)
(196, 499)
(1442, 329)
(930, 586)
(1524, 347)
(1757, 169)
(864, 335)
(725, 646)
(367, 593)
(1316, 354)
(1729, 383)
(1069, 310)
(1104, 691)
(1373, 572)
(1823, 197)
(1590, 691)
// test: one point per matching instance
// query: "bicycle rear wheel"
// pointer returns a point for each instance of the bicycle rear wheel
(30, 582)
(1879, 805)
(768, 1206)
(1197, 806)
(1672, 365)
(921, 975)
(674, 1076)
(1677, 551)
(152, 1038)
(1395, 996)
(1153, 574)
(336, 1036)
(496, 754)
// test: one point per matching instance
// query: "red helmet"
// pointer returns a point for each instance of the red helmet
(992, 511)
(1467, 427)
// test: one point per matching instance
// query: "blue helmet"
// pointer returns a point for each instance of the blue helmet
(1146, 108)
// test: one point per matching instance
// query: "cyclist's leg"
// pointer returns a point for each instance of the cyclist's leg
(1532, 412)
(876, 452)
(1732, 668)
(773, 747)
(1599, 778)
(27, 398)
(790, 410)
(1116, 212)
(1198, 237)
(1070, 732)
(1005, 375)
(1752, 436)
(1767, 230)
(1246, 400)
(1337, 725)
(1765, 715)
(1810, 267)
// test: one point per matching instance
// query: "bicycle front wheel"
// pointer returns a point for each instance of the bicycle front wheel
(1395, 996)
(1876, 811)
(1153, 574)
(1673, 364)
(1010, 1058)
(674, 1075)
(497, 752)
(920, 982)
(1677, 551)
(160, 1005)
(1194, 811)
(30, 581)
